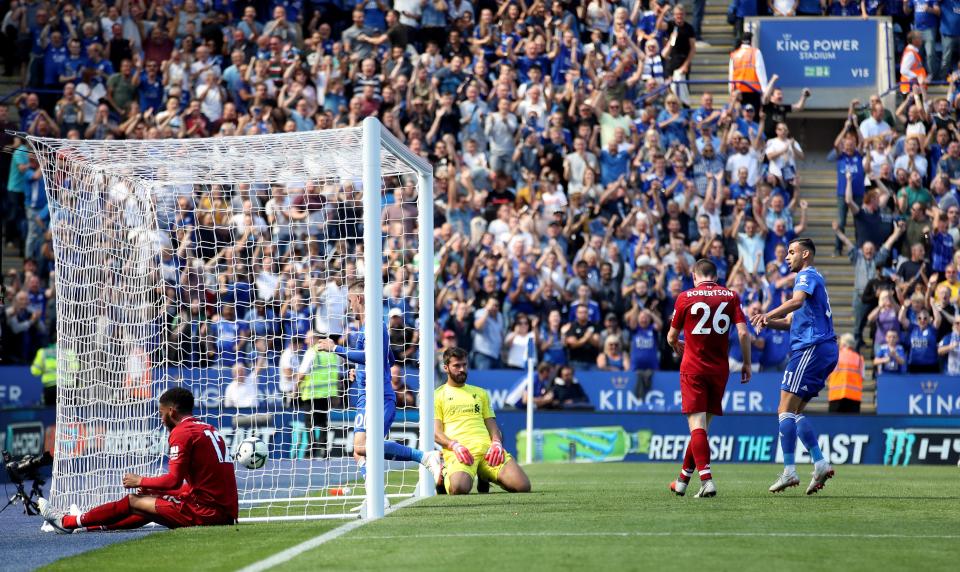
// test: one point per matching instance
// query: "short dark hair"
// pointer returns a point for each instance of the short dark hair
(805, 243)
(706, 268)
(180, 398)
(454, 352)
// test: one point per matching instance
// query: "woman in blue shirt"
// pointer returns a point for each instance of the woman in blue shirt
(673, 123)
(551, 341)
(923, 346)
(890, 357)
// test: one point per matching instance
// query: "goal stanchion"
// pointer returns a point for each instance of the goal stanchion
(373, 290)
(211, 263)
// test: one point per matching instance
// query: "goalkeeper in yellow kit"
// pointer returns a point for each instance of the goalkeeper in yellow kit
(467, 430)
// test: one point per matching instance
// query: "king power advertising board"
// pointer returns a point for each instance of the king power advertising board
(581, 437)
(918, 395)
(607, 391)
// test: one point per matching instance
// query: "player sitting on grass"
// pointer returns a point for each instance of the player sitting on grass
(199, 490)
(467, 430)
(355, 351)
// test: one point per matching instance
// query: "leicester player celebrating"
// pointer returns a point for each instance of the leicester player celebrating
(704, 314)
(199, 490)
(356, 352)
(467, 430)
(813, 356)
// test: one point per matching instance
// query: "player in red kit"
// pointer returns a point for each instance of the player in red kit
(704, 314)
(199, 490)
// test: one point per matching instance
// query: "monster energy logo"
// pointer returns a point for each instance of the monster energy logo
(899, 447)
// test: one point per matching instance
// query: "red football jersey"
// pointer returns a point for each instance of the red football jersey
(198, 455)
(706, 313)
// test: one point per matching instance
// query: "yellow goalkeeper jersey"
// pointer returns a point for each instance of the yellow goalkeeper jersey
(462, 410)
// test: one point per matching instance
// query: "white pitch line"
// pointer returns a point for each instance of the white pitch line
(659, 534)
(310, 544)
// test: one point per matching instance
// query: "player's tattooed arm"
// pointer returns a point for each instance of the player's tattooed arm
(780, 323)
(783, 310)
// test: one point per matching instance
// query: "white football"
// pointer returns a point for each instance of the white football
(252, 453)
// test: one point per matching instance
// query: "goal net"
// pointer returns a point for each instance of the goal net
(216, 264)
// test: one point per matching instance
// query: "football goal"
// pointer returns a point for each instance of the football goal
(222, 265)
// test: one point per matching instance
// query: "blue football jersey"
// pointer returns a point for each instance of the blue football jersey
(813, 321)
(356, 352)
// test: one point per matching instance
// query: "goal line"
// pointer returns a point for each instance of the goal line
(307, 545)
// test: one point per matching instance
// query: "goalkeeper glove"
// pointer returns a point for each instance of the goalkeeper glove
(495, 454)
(462, 453)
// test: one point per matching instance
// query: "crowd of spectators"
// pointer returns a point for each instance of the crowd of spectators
(575, 181)
(898, 172)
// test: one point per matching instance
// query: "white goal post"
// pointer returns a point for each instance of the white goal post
(215, 264)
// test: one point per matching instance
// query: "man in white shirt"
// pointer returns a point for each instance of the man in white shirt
(500, 130)
(332, 314)
(410, 12)
(202, 66)
(242, 391)
(749, 243)
(745, 156)
(874, 126)
(576, 163)
(289, 364)
(782, 152)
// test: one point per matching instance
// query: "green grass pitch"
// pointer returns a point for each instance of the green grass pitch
(608, 517)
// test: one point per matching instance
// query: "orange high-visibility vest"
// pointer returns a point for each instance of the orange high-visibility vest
(916, 68)
(846, 382)
(745, 69)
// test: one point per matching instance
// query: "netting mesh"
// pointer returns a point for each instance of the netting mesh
(219, 264)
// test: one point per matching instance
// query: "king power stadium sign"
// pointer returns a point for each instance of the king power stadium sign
(820, 53)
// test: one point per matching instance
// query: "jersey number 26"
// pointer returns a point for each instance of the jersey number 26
(721, 322)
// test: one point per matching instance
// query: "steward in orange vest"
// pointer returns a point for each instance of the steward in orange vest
(911, 64)
(846, 382)
(747, 72)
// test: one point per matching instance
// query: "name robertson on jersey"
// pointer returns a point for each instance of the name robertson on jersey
(720, 292)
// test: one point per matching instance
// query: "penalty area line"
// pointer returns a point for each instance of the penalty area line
(640, 534)
(307, 545)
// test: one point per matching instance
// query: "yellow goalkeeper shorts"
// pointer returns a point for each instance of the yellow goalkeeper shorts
(479, 467)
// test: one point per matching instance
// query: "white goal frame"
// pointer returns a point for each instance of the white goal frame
(379, 149)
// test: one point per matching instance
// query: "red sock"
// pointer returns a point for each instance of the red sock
(132, 521)
(686, 471)
(104, 514)
(701, 452)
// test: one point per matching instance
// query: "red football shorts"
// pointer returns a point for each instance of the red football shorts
(702, 393)
(176, 512)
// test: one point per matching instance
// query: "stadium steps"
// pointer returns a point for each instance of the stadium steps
(710, 62)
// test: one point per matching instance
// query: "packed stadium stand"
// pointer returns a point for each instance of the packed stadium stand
(586, 154)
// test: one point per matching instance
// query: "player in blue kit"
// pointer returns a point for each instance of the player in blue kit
(813, 356)
(355, 352)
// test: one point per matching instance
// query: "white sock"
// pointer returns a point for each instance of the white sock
(790, 469)
(820, 464)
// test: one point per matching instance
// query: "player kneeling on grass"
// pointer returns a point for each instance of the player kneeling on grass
(199, 490)
(467, 430)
